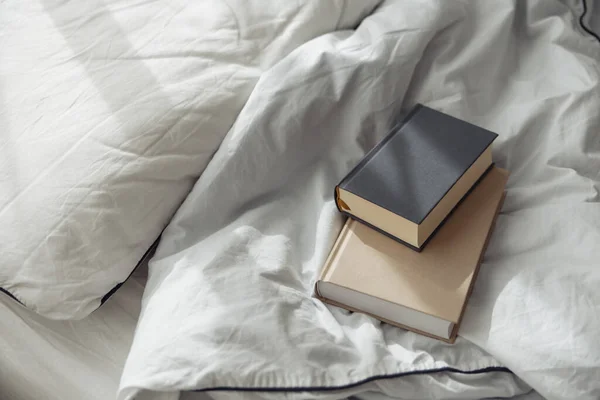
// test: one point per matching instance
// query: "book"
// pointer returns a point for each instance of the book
(426, 291)
(410, 182)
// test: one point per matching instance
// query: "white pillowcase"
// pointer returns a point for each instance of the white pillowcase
(109, 111)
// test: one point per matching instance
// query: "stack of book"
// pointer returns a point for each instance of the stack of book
(421, 206)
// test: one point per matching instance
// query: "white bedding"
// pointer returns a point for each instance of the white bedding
(67, 360)
(70, 360)
(64, 360)
(228, 303)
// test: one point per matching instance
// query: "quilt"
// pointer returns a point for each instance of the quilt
(228, 307)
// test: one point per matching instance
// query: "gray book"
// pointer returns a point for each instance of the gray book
(411, 181)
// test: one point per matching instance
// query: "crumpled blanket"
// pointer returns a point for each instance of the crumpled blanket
(228, 307)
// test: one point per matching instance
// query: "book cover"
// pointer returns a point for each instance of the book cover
(425, 292)
(411, 181)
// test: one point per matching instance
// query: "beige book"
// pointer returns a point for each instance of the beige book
(425, 292)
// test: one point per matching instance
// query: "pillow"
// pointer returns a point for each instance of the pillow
(110, 110)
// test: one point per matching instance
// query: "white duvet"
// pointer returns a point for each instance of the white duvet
(228, 305)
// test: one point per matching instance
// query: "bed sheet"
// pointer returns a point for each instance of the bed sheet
(70, 360)
(60, 360)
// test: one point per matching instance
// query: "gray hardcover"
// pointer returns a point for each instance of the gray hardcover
(411, 170)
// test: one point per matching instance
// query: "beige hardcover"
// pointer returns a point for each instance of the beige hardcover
(436, 281)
